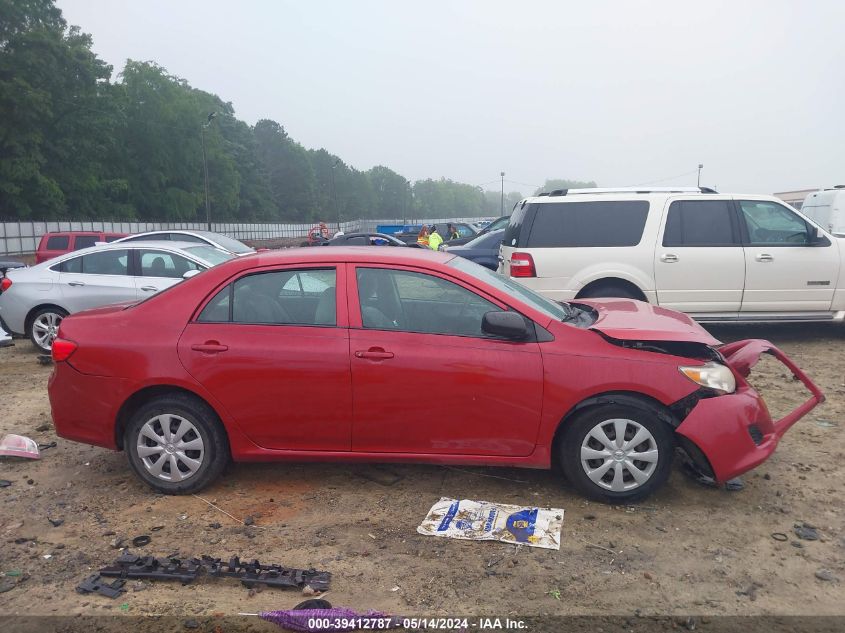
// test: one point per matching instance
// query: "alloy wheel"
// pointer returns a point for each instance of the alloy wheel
(170, 447)
(619, 455)
(45, 328)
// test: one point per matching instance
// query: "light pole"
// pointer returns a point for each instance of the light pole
(700, 167)
(205, 125)
(502, 210)
(334, 194)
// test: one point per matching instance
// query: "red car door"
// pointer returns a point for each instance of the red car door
(273, 348)
(426, 380)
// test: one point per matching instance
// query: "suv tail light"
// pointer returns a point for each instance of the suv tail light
(522, 265)
(5, 284)
(62, 349)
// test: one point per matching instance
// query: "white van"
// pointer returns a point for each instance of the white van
(827, 209)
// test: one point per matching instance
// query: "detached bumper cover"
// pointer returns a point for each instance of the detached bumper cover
(736, 432)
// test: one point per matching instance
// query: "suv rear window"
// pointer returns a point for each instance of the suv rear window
(58, 243)
(591, 224)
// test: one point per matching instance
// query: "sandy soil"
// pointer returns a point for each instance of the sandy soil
(689, 549)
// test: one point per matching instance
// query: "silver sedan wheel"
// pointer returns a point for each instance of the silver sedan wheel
(45, 328)
(619, 455)
(170, 447)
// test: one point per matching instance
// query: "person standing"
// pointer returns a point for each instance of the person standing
(434, 238)
(452, 231)
(422, 237)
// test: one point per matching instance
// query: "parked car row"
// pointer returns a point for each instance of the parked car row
(34, 300)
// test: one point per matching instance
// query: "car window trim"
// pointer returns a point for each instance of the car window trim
(341, 315)
(356, 309)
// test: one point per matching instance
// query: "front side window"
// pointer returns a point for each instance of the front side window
(289, 297)
(588, 224)
(700, 223)
(164, 264)
(771, 223)
(417, 302)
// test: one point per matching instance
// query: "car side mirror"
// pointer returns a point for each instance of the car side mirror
(191, 273)
(509, 325)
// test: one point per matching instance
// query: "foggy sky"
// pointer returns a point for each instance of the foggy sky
(623, 93)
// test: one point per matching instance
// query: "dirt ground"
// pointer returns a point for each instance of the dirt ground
(688, 550)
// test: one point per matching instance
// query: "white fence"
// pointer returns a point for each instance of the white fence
(21, 238)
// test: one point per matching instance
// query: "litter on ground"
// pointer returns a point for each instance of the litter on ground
(486, 521)
(18, 446)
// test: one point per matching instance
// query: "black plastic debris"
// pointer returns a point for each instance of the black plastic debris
(250, 573)
(140, 541)
(95, 584)
(806, 532)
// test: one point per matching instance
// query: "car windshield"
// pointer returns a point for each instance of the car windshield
(538, 302)
(488, 240)
(499, 223)
(210, 254)
(230, 244)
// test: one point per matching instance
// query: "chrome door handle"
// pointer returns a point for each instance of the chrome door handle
(669, 258)
(764, 257)
(76, 283)
(149, 288)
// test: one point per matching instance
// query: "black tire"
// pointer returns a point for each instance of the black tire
(576, 433)
(50, 313)
(213, 457)
(609, 291)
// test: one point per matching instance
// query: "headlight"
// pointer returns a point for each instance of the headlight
(711, 375)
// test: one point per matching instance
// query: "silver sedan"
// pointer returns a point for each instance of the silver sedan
(34, 300)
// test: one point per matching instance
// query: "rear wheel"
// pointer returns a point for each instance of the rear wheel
(609, 290)
(44, 327)
(616, 453)
(176, 444)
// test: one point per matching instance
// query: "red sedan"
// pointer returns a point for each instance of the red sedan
(315, 354)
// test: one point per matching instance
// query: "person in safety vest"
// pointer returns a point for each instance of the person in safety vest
(453, 232)
(422, 238)
(434, 238)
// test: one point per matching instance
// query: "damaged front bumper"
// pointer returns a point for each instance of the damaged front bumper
(735, 432)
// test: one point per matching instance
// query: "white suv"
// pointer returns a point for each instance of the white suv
(718, 257)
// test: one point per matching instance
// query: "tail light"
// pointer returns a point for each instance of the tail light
(63, 349)
(522, 265)
(5, 284)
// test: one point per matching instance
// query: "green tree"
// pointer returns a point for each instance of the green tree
(560, 183)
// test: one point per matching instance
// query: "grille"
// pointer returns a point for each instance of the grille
(756, 434)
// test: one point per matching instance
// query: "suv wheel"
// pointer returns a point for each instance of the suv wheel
(609, 290)
(616, 453)
(176, 444)
(44, 327)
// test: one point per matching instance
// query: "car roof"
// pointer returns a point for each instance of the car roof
(112, 246)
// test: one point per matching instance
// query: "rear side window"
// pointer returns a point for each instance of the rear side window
(700, 223)
(291, 297)
(102, 263)
(112, 238)
(84, 241)
(58, 243)
(588, 224)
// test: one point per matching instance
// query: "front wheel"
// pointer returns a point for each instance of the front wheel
(616, 453)
(176, 444)
(44, 327)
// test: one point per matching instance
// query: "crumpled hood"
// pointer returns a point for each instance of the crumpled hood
(628, 319)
